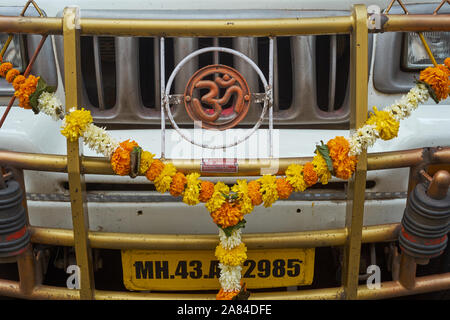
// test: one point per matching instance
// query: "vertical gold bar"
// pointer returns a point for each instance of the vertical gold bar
(357, 185)
(72, 71)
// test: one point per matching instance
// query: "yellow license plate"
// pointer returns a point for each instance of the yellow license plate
(199, 270)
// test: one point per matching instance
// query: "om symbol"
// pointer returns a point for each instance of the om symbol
(214, 115)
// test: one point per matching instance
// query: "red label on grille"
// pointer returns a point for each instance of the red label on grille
(219, 165)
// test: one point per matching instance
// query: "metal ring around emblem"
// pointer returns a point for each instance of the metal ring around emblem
(232, 83)
(267, 89)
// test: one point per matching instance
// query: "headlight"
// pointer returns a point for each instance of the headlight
(15, 51)
(414, 54)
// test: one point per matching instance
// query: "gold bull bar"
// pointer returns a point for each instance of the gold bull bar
(76, 165)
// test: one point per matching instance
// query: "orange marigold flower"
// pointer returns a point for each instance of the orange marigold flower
(17, 82)
(284, 188)
(155, 170)
(343, 165)
(4, 68)
(224, 295)
(447, 62)
(309, 174)
(437, 78)
(206, 191)
(178, 182)
(254, 192)
(11, 75)
(120, 160)
(227, 215)
(25, 90)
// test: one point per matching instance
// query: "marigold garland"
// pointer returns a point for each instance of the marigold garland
(437, 78)
(75, 124)
(146, 161)
(294, 175)
(284, 188)
(218, 196)
(241, 189)
(385, 123)
(178, 182)
(309, 174)
(227, 209)
(227, 215)
(321, 168)
(254, 192)
(232, 257)
(206, 191)
(154, 170)
(4, 68)
(343, 164)
(25, 88)
(11, 75)
(163, 181)
(120, 160)
(226, 295)
(192, 191)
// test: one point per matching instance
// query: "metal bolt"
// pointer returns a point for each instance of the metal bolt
(187, 98)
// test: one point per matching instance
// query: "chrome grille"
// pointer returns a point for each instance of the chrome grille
(121, 76)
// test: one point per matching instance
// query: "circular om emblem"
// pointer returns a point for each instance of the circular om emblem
(225, 103)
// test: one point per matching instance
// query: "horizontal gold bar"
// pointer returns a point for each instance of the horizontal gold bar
(220, 27)
(391, 289)
(122, 241)
(417, 22)
(247, 167)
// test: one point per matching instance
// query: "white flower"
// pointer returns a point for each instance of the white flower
(49, 104)
(99, 140)
(232, 241)
(230, 277)
(363, 138)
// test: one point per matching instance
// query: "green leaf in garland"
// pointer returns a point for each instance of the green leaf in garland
(325, 153)
(135, 161)
(430, 89)
(40, 87)
(228, 231)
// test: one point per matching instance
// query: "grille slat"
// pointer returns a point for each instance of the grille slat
(98, 73)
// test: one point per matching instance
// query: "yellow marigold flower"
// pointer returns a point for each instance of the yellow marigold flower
(254, 192)
(385, 123)
(268, 189)
(295, 177)
(192, 191)
(437, 78)
(163, 181)
(11, 75)
(343, 165)
(234, 257)
(309, 175)
(146, 161)
(120, 160)
(284, 188)
(227, 215)
(241, 188)
(321, 168)
(4, 68)
(75, 123)
(217, 199)
(178, 182)
(206, 191)
(226, 295)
